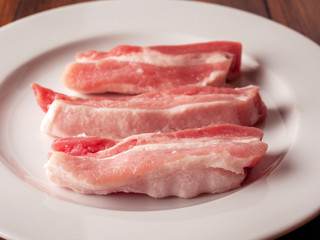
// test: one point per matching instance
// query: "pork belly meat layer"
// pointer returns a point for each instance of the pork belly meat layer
(133, 69)
(161, 111)
(184, 163)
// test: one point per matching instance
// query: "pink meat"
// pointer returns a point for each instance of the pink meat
(162, 111)
(132, 69)
(184, 163)
(81, 145)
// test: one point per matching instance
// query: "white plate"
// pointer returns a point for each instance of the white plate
(280, 194)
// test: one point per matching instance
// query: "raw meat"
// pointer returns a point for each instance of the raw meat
(184, 163)
(132, 69)
(162, 111)
(81, 145)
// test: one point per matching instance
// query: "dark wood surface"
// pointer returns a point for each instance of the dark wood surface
(300, 15)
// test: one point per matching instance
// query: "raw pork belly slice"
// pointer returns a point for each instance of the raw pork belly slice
(162, 111)
(184, 163)
(132, 69)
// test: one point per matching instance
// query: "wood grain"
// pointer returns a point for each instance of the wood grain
(302, 16)
(27, 7)
(7, 11)
(253, 6)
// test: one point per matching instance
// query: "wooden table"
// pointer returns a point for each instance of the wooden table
(300, 15)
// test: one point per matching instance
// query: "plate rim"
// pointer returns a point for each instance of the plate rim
(43, 14)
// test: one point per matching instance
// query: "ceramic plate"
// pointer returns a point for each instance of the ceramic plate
(280, 194)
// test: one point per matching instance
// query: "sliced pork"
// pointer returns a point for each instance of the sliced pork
(133, 69)
(161, 111)
(184, 163)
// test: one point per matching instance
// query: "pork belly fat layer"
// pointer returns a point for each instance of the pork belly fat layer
(164, 111)
(133, 69)
(184, 163)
